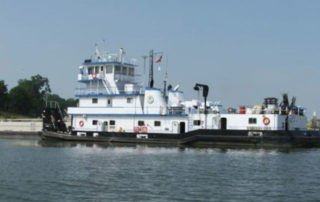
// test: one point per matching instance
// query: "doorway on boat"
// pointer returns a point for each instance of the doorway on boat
(223, 123)
(105, 126)
(182, 127)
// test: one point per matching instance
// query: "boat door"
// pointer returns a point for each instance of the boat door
(215, 122)
(175, 127)
(105, 126)
(182, 127)
(223, 123)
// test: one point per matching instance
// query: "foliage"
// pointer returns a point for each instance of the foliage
(29, 97)
(63, 103)
(8, 115)
(3, 95)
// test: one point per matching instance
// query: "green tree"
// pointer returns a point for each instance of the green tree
(28, 97)
(20, 101)
(3, 95)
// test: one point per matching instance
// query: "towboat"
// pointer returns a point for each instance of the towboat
(115, 107)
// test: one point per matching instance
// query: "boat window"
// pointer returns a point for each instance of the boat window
(109, 69)
(109, 102)
(90, 70)
(94, 100)
(131, 71)
(101, 68)
(112, 122)
(117, 70)
(196, 122)
(96, 69)
(252, 120)
(94, 122)
(140, 123)
(157, 123)
(124, 70)
(129, 100)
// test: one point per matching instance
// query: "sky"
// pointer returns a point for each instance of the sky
(244, 50)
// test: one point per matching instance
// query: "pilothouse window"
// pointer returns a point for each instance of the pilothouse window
(109, 69)
(118, 70)
(124, 70)
(90, 70)
(131, 71)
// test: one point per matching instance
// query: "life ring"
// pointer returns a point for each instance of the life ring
(150, 99)
(266, 121)
(81, 123)
(94, 75)
(144, 129)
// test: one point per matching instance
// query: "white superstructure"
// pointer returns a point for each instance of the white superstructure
(110, 100)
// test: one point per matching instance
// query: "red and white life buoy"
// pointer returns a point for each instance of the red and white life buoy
(266, 121)
(144, 129)
(140, 129)
(81, 123)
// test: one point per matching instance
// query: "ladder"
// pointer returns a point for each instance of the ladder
(107, 85)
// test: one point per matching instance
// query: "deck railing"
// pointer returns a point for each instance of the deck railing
(104, 91)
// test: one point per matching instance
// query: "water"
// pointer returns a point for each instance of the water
(34, 171)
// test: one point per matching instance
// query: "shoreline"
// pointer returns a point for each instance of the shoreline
(19, 134)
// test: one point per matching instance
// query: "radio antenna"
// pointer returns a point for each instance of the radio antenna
(165, 79)
(151, 81)
(144, 63)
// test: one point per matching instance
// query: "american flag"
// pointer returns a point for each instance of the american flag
(159, 59)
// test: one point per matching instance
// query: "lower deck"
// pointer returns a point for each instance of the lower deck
(202, 137)
(187, 123)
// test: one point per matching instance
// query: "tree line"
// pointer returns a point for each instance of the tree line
(30, 96)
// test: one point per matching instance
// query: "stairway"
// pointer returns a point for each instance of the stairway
(52, 118)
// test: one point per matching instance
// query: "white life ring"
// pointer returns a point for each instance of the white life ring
(266, 121)
(150, 99)
(81, 123)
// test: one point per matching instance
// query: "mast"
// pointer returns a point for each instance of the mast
(151, 81)
(144, 64)
(165, 85)
(165, 79)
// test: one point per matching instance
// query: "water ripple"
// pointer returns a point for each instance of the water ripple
(34, 171)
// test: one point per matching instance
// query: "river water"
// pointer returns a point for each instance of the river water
(31, 170)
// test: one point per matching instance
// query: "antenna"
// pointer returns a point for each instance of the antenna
(144, 63)
(97, 52)
(121, 54)
(151, 81)
(104, 53)
(165, 79)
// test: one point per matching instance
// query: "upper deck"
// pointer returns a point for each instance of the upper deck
(107, 74)
(92, 71)
(107, 66)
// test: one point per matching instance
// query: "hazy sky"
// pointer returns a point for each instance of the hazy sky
(245, 50)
